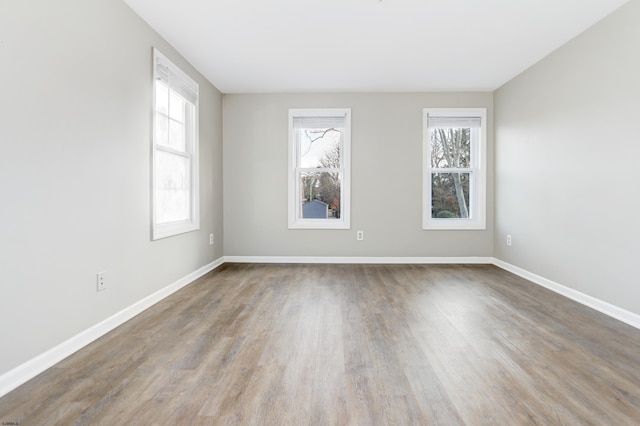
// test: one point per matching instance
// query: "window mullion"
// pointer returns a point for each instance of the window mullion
(452, 169)
(168, 150)
(319, 169)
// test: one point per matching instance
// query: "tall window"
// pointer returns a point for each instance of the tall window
(454, 168)
(175, 150)
(319, 168)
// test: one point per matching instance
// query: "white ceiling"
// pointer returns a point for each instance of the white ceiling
(255, 46)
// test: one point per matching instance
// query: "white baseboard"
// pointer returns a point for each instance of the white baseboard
(357, 260)
(24, 372)
(597, 304)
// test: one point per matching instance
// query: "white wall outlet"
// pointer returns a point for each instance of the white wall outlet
(210, 239)
(508, 240)
(101, 282)
(360, 235)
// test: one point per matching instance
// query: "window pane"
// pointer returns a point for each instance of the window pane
(162, 97)
(319, 195)
(176, 106)
(177, 135)
(450, 195)
(172, 188)
(450, 147)
(170, 131)
(319, 147)
(162, 130)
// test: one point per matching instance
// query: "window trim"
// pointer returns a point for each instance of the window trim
(164, 230)
(344, 222)
(478, 188)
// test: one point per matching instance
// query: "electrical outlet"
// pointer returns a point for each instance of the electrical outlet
(101, 282)
(360, 235)
(508, 240)
(210, 239)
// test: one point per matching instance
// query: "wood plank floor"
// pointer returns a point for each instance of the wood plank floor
(348, 345)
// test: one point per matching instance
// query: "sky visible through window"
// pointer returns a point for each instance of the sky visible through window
(316, 145)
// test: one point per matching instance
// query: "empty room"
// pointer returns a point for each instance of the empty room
(337, 212)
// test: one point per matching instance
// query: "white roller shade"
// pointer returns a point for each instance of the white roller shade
(318, 122)
(453, 122)
(175, 79)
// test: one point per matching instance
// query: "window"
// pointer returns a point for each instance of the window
(454, 155)
(175, 150)
(319, 168)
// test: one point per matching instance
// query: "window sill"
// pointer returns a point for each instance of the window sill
(319, 224)
(454, 225)
(169, 230)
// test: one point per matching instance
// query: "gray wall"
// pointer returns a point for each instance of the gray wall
(567, 152)
(386, 192)
(75, 127)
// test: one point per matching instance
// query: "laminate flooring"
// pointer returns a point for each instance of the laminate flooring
(262, 344)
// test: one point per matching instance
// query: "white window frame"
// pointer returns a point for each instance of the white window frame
(295, 219)
(167, 71)
(478, 173)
